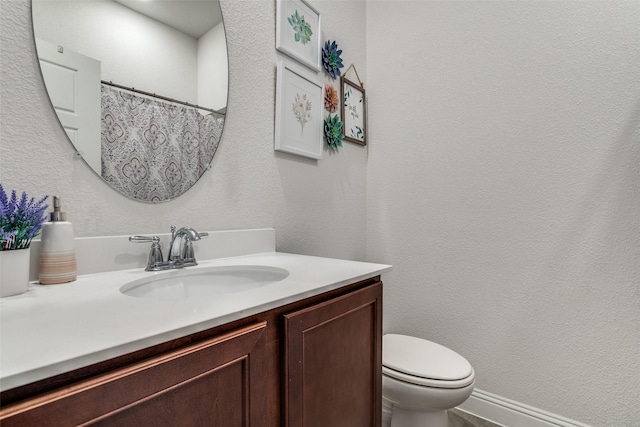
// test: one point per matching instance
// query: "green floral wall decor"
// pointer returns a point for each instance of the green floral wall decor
(331, 60)
(301, 28)
(333, 131)
(298, 28)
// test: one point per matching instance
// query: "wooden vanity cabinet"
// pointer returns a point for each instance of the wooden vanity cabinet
(333, 362)
(217, 382)
(315, 362)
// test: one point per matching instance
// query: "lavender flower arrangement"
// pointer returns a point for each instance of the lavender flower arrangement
(20, 220)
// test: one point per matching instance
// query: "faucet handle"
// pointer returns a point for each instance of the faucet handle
(188, 253)
(144, 239)
(155, 254)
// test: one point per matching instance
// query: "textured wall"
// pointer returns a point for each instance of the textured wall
(504, 187)
(317, 207)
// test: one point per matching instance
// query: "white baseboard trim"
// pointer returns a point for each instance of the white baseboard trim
(509, 413)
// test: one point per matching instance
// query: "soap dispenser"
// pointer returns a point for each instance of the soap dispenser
(57, 251)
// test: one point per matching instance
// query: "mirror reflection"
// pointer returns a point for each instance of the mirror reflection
(140, 87)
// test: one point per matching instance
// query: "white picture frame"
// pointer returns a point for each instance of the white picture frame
(298, 32)
(299, 112)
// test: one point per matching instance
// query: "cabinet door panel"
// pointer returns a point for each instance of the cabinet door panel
(333, 362)
(215, 398)
(218, 382)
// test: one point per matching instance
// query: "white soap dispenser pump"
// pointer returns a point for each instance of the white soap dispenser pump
(57, 251)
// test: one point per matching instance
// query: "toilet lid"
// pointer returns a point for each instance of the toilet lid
(424, 362)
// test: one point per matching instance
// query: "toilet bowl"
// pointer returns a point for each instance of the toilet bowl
(421, 380)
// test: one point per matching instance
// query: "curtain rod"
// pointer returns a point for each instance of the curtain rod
(164, 98)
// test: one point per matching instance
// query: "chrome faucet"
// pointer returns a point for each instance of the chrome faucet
(181, 248)
(181, 252)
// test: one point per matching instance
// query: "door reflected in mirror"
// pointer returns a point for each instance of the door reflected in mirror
(140, 87)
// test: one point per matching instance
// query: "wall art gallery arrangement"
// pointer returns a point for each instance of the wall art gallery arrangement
(306, 112)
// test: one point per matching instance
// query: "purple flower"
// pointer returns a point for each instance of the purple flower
(20, 219)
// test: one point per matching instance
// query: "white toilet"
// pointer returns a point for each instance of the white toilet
(420, 381)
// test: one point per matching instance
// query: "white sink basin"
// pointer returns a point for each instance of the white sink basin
(203, 282)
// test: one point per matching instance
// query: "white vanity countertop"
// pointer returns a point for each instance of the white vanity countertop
(54, 329)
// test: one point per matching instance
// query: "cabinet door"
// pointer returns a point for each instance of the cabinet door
(333, 362)
(217, 382)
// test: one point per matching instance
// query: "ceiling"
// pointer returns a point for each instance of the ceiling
(192, 17)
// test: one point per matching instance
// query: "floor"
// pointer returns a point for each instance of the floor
(458, 418)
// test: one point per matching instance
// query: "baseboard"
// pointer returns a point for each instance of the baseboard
(509, 413)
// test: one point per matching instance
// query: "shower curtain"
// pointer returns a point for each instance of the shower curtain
(154, 150)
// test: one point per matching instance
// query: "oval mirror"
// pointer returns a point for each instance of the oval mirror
(140, 87)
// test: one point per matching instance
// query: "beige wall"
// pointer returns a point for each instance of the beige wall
(317, 207)
(504, 187)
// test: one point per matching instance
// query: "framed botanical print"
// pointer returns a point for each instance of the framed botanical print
(298, 31)
(299, 112)
(354, 112)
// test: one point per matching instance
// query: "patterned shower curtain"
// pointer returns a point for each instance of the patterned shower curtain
(154, 150)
